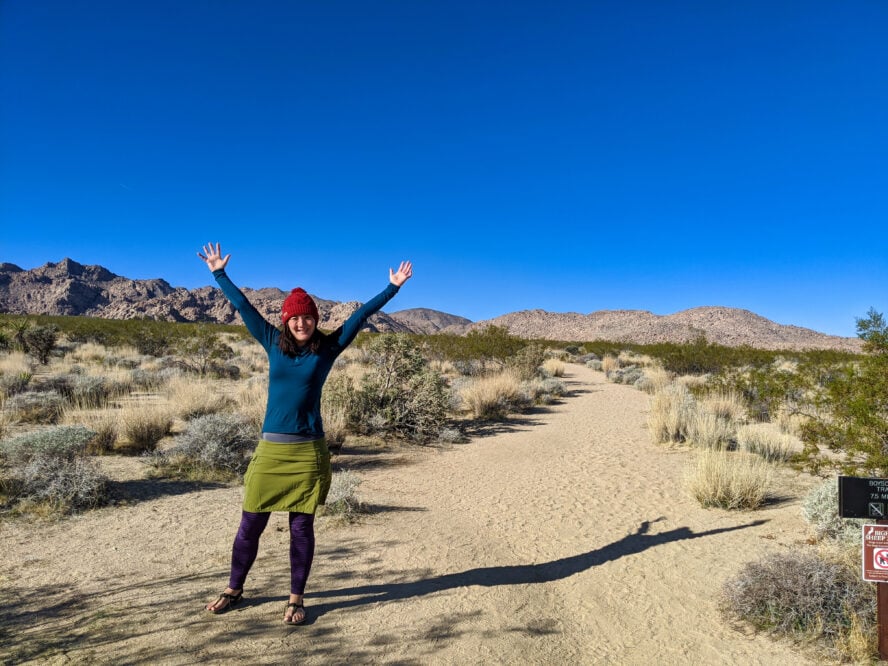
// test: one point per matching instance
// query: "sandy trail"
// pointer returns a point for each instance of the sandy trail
(562, 536)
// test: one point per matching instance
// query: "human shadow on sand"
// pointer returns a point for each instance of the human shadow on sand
(521, 574)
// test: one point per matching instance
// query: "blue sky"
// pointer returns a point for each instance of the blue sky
(569, 156)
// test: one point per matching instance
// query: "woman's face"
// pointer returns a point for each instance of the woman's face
(302, 327)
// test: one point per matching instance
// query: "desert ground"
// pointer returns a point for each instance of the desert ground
(561, 536)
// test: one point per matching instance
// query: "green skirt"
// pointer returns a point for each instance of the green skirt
(287, 477)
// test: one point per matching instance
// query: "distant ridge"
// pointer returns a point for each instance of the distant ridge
(70, 288)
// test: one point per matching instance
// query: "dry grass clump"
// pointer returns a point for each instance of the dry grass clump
(250, 400)
(609, 363)
(16, 363)
(142, 426)
(553, 367)
(38, 407)
(654, 378)
(672, 411)
(491, 396)
(191, 396)
(727, 405)
(710, 431)
(692, 382)
(766, 441)
(806, 597)
(103, 422)
(343, 501)
(729, 480)
(789, 421)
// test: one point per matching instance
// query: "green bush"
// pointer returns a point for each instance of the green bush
(851, 404)
(399, 395)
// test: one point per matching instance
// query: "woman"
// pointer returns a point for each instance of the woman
(290, 468)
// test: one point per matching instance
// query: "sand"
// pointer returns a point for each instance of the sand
(562, 536)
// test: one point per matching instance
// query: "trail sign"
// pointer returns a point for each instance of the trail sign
(863, 498)
(875, 553)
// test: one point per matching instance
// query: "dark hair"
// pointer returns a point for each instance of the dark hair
(291, 348)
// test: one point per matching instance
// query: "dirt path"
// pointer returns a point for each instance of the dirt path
(562, 536)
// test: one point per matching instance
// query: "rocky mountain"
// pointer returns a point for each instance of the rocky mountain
(423, 320)
(727, 326)
(70, 288)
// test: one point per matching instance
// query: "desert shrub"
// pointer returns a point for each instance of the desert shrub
(203, 351)
(761, 439)
(492, 396)
(49, 467)
(450, 436)
(539, 391)
(526, 361)
(653, 379)
(854, 401)
(628, 375)
(11, 384)
(469, 367)
(65, 442)
(729, 480)
(609, 363)
(399, 393)
(554, 367)
(44, 407)
(192, 397)
(343, 501)
(672, 410)
(39, 342)
(212, 446)
(725, 404)
(78, 388)
(820, 509)
(595, 364)
(102, 422)
(251, 398)
(802, 596)
(585, 358)
(65, 485)
(710, 431)
(146, 380)
(142, 427)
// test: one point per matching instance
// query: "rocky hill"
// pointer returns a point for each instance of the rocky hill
(70, 288)
(727, 326)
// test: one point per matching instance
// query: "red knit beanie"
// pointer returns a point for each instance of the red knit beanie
(298, 303)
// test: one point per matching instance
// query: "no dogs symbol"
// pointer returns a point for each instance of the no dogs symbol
(880, 558)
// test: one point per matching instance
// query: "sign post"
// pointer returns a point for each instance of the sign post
(868, 498)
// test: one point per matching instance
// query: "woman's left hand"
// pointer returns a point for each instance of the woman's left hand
(405, 272)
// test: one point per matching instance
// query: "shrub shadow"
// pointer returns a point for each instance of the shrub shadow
(144, 490)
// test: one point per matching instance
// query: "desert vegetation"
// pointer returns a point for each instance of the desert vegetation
(744, 413)
(190, 400)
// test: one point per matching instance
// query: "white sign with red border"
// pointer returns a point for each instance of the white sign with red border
(875, 553)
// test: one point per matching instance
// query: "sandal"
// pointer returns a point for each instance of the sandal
(296, 606)
(232, 599)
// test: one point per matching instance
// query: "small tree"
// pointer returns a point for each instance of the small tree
(202, 350)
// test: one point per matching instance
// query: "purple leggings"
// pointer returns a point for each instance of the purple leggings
(246, 545)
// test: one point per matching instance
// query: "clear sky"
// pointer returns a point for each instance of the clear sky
(563, 155)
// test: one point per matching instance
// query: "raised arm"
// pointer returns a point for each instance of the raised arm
(256, 324)
(352, 326)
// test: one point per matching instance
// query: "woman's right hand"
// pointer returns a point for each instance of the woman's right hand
(212, 257)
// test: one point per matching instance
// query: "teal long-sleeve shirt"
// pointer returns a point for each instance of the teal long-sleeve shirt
(295, 383)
